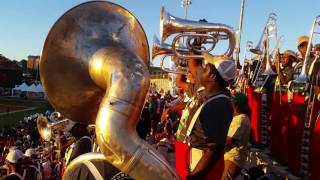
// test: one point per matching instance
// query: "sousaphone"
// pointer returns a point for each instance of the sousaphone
(94, 70)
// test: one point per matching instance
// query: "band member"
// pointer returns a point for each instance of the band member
(14, 163)
(174, 108)
(238, 137)
(302, 45)
(83, 142)
(97, 169)
(286, 69)
(33, 167)
(209, 127)
(193, 98)
(314, 172)
(192, 88)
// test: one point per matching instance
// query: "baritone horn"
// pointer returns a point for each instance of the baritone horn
(46, 129)
(165, 50)
(209, 33)
(94, 70)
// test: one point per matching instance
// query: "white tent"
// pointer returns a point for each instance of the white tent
(31, 88)
(39, 88)
(22, 87)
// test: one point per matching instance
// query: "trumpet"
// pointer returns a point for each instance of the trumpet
(208, 33)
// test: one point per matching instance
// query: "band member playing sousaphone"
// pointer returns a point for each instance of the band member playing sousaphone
(105, 82)
(82, 145)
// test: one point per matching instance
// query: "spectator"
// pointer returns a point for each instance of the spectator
(238, 137)
(14, 163)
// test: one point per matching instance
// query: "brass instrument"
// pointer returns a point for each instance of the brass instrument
(49, 130)
(46, 129)
(210, 33)
(161, 48)
(165, 50)
(176, 70)
(94, 69)
(242, 76)
(303, 77)
(262, 48)
(237, 48)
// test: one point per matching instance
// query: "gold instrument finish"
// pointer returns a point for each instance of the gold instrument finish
(44, 128)
(94, 69)
(48, 130)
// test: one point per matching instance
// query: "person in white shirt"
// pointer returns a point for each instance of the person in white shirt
(238, 137)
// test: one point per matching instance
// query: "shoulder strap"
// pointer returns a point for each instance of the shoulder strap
(39, 175)
(86, 137)
(38, 170)
(93, 169)
(18, 175)
(196, 115)
(68, 153)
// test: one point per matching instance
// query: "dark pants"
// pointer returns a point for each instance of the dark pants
(231, 170)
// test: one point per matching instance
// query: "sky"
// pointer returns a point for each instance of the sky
(24, 24)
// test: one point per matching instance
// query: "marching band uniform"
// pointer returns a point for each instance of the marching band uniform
(207, 136)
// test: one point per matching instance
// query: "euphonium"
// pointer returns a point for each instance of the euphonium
(161, 48)
(210, 32)
(165, 50)
(94, 69)
(46, 129)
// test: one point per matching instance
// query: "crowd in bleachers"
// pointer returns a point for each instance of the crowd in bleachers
(22, 148)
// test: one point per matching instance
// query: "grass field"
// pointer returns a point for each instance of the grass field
(10, 119)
